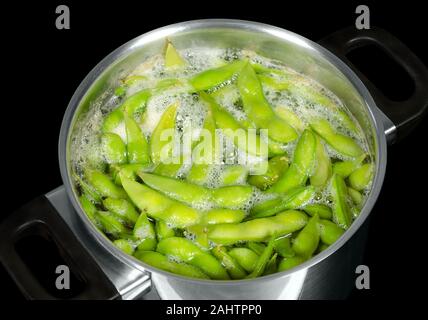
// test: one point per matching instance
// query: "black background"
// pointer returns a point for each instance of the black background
(43, 66)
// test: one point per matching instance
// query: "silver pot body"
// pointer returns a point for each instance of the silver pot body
(331, 273)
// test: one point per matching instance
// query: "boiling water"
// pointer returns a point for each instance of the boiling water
(85, 146)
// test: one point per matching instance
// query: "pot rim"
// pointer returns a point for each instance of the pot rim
(281, 34)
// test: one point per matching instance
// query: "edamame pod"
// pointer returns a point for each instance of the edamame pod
(184, 250)
(111, 224)
(183, 191)
(234, 131)
(104, 185)
(300, 87)
(128, 170)
(160, 261)
(271, 265)
(283, 247)
(232, 266)
(163, 231)
(199, 235)
(341, 212)
(307, 239)
(233, 174)
(231, 196)
(345, 168)
(329, 231)
(294, 199)
(137, 146)
(113, 148)
(258, 229)
(360, 178)
(89, 208)
(125, 245)
(218, 216)
(291, 118)
(301, 166)
(135, 105)
(323, 170)
(263, 260)
(87, 189)
(158, 206)
(122, 208)
(355, 195)
(258, 109)
(245, 257)
(172, 57)
(214, 77)
(160, 149)
(341, 143)
(322, 210)
(276, 167)
(257, 247)
(289, 263)
(144, 232)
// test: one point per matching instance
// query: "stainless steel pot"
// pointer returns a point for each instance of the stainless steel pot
(330, 274)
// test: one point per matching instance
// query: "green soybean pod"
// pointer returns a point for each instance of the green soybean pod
(113, 148)
(246, 258)
(110, 224)
(159, 206)
(233, 130)
(177, 189)
(307, 239)
(345, 168)
(122, 208)
(355, 195)
(322, 210)
(232, 266)
(260, 229)
(289, 263)
(172, 57)
(112, 121)
(257, 247)
(294, 199)
(258, 109)
(341, 143)
(214, 77)
(263, 260)
(163, 231)
(233, 174)
(144, 232)
(89, 208)
(223, 215)
(291, 118)
(231, 196)
(276, 167)
(301, 166)
(323, 169)
(137, 146)
(89, 191)
(271, 266)
(104, 185)
(329, 231)
(341, 211)
(360, 178)
(283, 247)
(162, 262)
(184, 250)
(125, 245)
(158, 146)
(199, 235)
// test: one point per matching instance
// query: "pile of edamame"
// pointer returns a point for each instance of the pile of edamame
(222, 220)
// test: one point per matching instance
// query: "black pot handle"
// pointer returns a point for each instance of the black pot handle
(38, 219)
(404, 114)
